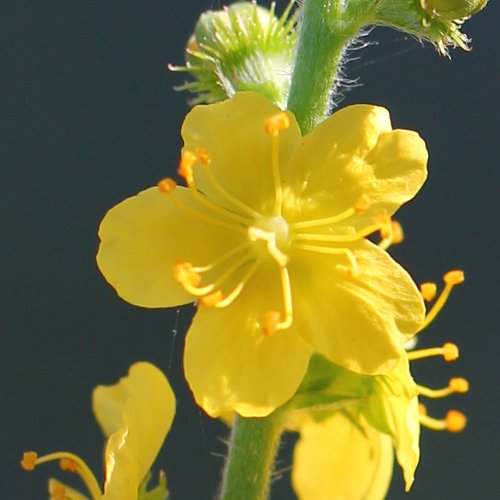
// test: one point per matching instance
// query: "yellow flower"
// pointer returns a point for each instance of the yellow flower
(270, 238)
(338, 458)
(135, 415)
(349, 453)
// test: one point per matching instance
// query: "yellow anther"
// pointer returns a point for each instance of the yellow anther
(188, 159)
(362, 204)
(184, 274)
(450, 352)
(385, 227)
(459, 384)
(203, 156)
(29, 460)
(67, 464)
(167, 185)
(454, 277)
(397, 232)
(271, 321)
(455, 421)
(212, 299)
(275, 123)
(57, 491)
(428, 291)
(422, 410)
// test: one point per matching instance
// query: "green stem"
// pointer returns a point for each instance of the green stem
(325, 30)
(253, 445)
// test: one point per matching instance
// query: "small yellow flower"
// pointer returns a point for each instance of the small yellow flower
(269, 237)
(338, 458)
(135, 415)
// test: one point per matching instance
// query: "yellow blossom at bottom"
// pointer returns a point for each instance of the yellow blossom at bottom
(135, 415)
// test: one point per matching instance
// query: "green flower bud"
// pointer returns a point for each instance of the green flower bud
(437, 21)
(241, 47)
(452, 10)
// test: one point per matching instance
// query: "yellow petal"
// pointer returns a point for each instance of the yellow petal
(359, 323)
(136, 414)
(232, 133)
(394, 410)
(337, 460)
(355, 152)
(231, 365)
(145, 235)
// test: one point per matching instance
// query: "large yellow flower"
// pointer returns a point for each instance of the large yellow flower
(270, 238)
(135, 415)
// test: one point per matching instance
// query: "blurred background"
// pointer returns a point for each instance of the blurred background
(90, 117)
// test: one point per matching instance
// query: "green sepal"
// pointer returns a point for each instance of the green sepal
(159, 492)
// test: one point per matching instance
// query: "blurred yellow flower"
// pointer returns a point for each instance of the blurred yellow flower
(135, 415)
(270, 238)
(339, 459)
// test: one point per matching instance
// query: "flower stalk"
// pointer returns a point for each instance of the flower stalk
(253, 446)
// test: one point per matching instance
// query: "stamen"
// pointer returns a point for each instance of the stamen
(203, 156)
(393, 236)
(167, 185)
(456, 385)
(237, 203)
(188, 159)
(231, 253)
(326, 220)
(451, 279)
(354, 268)
(449, 352)
(339, 238)
(454, 421)
(428, 291)
(57, 490)
(362, 204)
(212, 220)
(272, 318)
(256, 233)
(274, 124)
(68, 461)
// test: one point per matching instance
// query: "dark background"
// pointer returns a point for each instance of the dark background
(89, 117)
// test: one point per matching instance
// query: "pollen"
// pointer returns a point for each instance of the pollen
(454, 277)
(188, 159)
(459, 385)
(274, 124)
(428, 291)
(184, 274)
(450, 352)
(28, 462)
(203, 156)
(167, 185)
(270, 324)
(455, 421)
(362, 204)
(212, 299)
(67, 464)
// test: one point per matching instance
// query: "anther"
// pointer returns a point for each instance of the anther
(454, 277)
(386, 227)
(428, 291)
(184, 274)
(28, 462)
(271, 321)
(57, 490)
(362, 204)
(188, 159)
(459, 385)
(397, 232)
(455, 421)
(274, 124)
(203, 156)
(211, 299)
(67, 464)
(167, 185)
(449, 352)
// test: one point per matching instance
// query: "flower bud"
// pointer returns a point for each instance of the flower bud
(452, 10)
(241, 47)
